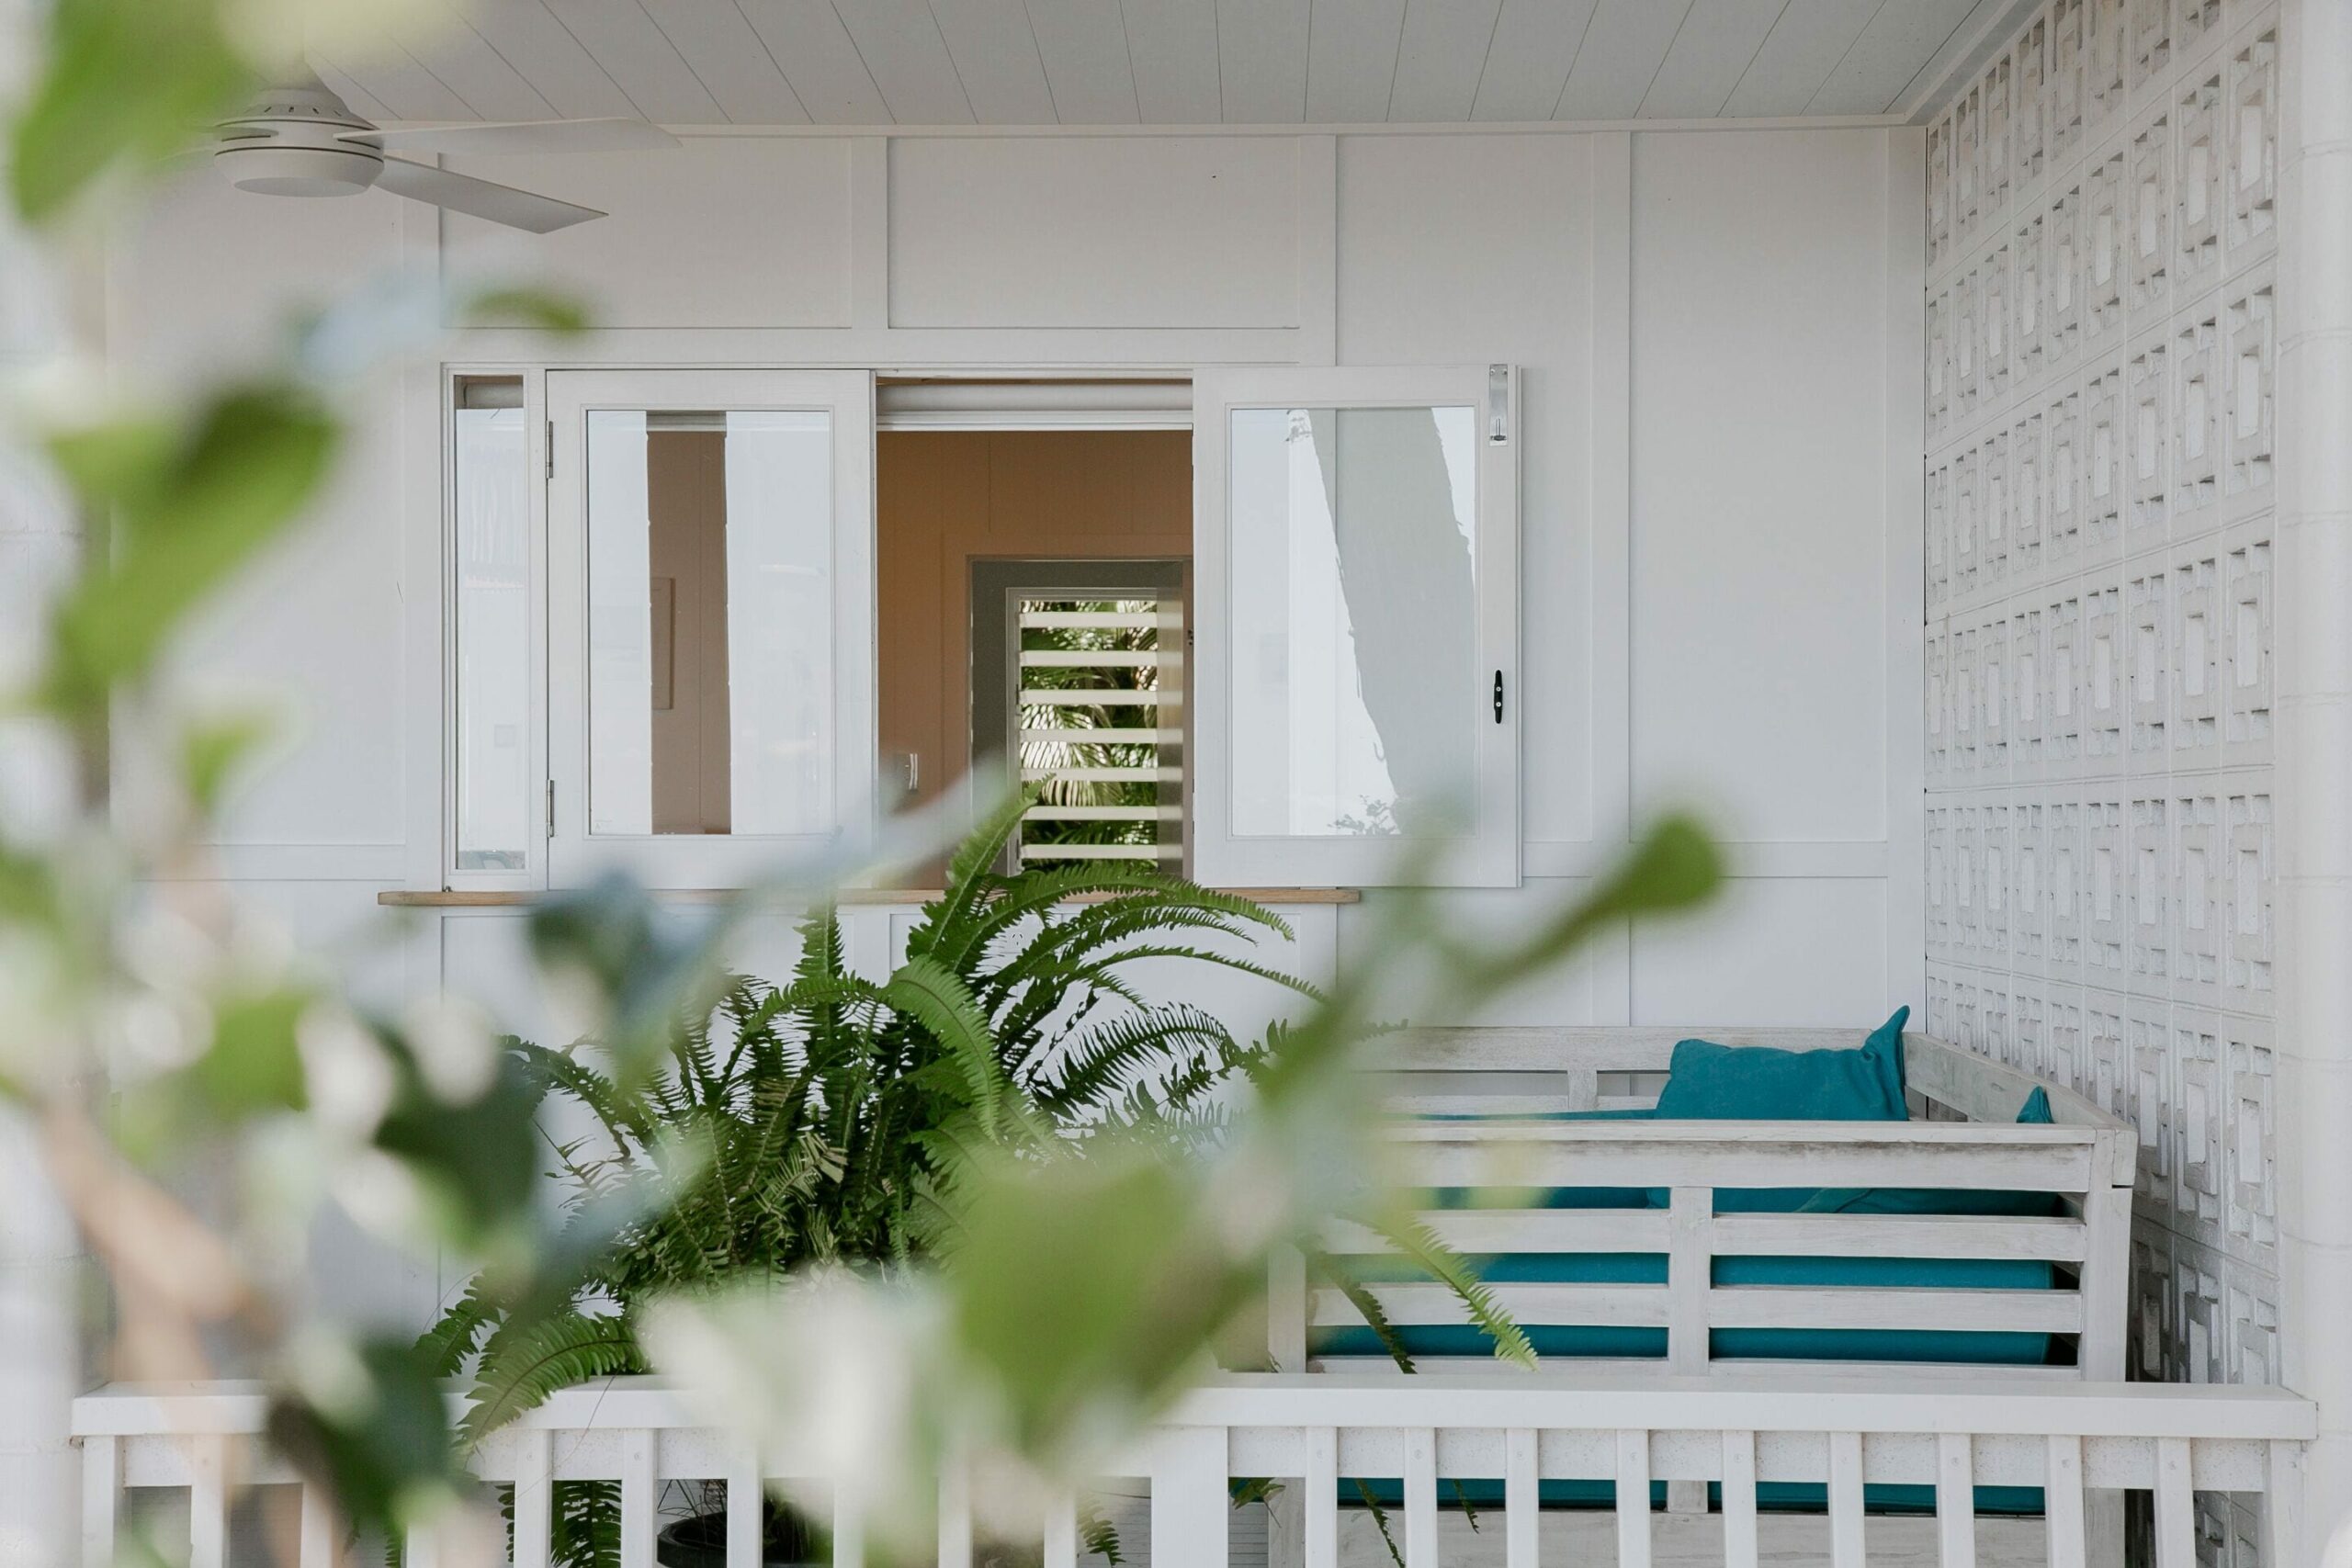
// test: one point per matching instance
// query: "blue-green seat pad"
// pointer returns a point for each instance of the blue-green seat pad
(1569, 1340)
(1771, 1496)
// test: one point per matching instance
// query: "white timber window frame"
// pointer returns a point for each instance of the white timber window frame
(1483, 850)
(575, 855)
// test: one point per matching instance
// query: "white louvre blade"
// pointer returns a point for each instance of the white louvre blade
(479, 199)
(525, 136)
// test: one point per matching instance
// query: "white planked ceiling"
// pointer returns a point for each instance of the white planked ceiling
(1161, 61)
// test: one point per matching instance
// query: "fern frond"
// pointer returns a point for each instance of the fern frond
(1366, 1304)
(527, 1362)
(937, 997)
(458, 1333)
(1420, 1244)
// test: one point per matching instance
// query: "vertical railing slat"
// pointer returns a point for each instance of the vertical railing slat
(1420, 1498)
(317, 1530)
(1846, 1500)
(2285, 1529)
(746, 1508)
(101, 1500)
(1320, 1507)
(1739, 1500)
(1188, 1497)
(849, 1530)
(533, 1496)
(1690, 1218)
(1632, 1499)
(1286, 1309)
(636, 1499)
(1955, 1501)
(955, 1514)
(1522, 1498)
(1061, 1534)
(2176, 1507)
(208, 1501)
(2062, 1492)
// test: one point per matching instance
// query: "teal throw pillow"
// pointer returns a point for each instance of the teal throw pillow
(1763, 1083)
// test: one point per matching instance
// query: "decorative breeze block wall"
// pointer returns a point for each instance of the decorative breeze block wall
(2102, 350)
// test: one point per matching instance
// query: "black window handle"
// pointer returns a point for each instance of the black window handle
(1498, 696)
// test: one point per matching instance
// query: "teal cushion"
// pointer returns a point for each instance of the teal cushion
(1567, 1341)
(1943, 1200)
(1760, 1083)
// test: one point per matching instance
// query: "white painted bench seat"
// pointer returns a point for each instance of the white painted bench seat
(1964, 1138)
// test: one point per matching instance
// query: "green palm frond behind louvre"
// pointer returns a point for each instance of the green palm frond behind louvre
(1057, 756)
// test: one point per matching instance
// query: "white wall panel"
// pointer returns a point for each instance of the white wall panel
(1776, 950)
(1479, 249)
(1589, 988)
(211, 274)
(1758, 533)
(315, 633)
(1049, 231)
(721, 231)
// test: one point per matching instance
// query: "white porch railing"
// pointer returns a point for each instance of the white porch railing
(2066, 1439)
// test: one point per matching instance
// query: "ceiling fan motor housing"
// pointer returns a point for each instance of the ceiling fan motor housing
(298, 142)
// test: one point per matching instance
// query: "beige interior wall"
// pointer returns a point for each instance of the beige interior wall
(685, 484)
(948, 498)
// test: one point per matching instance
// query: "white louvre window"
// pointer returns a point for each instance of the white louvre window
(1100, 697)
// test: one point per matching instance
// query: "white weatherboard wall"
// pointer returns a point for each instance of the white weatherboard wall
(2103, 224)
(1719, 438)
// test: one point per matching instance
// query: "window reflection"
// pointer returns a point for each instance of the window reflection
(1353, 649)
(494, 785)
(710, 622)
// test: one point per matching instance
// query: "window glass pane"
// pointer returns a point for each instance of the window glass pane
(494, 787)
(1353, 638)
(710, 634)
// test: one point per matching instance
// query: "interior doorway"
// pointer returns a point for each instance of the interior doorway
(1033, 585)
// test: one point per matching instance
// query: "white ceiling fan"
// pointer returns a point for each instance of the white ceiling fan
(303, 141)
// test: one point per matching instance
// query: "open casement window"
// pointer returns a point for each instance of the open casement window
(711, 712)
(1356, 559)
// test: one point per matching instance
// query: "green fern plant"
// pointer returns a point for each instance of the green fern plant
(819, 1120)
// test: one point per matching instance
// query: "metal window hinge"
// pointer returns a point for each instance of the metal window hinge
(1498, 696)
(550, 808)
(1498, 403)
(550, 449)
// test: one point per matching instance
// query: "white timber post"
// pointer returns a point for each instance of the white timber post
(2313, 696)
(42, 783)
(1690, 1275)
(1286, 1313)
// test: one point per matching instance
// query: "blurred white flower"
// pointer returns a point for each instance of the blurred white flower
(346, 1071)
(381, 1195)
(454, 1048)
(848, 1413)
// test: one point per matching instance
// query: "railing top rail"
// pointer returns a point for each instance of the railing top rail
(1557, 1401)
(1503, 1398)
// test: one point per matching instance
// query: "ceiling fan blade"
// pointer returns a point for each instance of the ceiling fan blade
(480, 199)
(530, 135)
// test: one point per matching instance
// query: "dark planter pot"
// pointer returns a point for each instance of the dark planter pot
(701, 1542)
